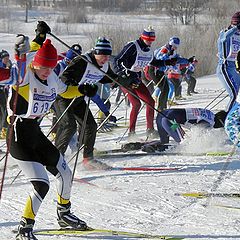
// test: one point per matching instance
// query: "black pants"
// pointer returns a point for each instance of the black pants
(3, 109)
(191, 84)
(68, 124)
(30, 144)
(161, 81)
(164, 87)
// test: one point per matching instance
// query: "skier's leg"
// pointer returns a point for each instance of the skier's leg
(164, 138)
(229, 78)
(144, 94)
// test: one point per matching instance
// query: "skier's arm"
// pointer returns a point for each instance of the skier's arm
(226, 34)
(96, 99)
(126, 58)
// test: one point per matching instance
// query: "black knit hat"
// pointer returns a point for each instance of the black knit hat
(103, 47)
(4, 54)
(235, 18)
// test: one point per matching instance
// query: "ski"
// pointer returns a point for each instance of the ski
(146, 169)
(135, 154)
(100, 232)
(227, 207)
(217, 153)
(205, 195)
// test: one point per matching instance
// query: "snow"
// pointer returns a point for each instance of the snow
(144, 202)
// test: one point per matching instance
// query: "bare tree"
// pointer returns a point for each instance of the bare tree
(184, 10)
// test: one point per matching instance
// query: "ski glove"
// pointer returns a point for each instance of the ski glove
(111, 118)
(171, 61)
(22, 45)
(42, 28)
(237, 62)
(41, 31)
(191, 59)
(87, 89)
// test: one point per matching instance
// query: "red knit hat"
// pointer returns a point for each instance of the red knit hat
(46, 56)
(148, 34)
(235, 18)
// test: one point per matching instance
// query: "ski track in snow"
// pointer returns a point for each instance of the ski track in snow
(143, 201)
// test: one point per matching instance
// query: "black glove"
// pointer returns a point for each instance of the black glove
(237, 62)
(42, 28)
(111, 118)
(87, 89)
(22, 45)
(135, 83)
(191, 59)
(41, 31)
(171, 61)
(171, 52)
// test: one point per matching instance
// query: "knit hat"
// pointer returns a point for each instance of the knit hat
(103, 47)
(148, 34)
(235, 18)
(4, 54)
(74, 51)
(46, 56)
(174, 41)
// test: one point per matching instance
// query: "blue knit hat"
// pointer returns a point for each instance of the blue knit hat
(174, 41)
(73, 51)
(103, 47)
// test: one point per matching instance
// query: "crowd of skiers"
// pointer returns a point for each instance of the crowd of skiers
(40, 80)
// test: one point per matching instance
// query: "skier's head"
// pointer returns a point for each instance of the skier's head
(46, 56)
(220, 119)
(174, 42)
(235, 18)
(45, 60)
(148, 35)
(103, 47)
(4, 54)
(102, 50)
(74, 51)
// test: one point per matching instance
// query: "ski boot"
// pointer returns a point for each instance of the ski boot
(25, 230)
(90, 163)
(68, 219)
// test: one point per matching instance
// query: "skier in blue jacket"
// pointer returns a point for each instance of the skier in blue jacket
(228, 46)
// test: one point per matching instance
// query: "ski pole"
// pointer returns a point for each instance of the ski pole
(80, 140)
(12, 122)
(218, 102)
(61, 116)
(215, 98)
(112, 79)
(106, 101)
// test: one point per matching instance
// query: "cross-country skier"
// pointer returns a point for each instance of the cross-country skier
(228, 46)
(129, 63)
(169, 51)
(81, 75)
(167, 122)
(38, 88)
(5, 62)
(233, 118)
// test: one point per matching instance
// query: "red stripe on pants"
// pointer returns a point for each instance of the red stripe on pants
(143, 93)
